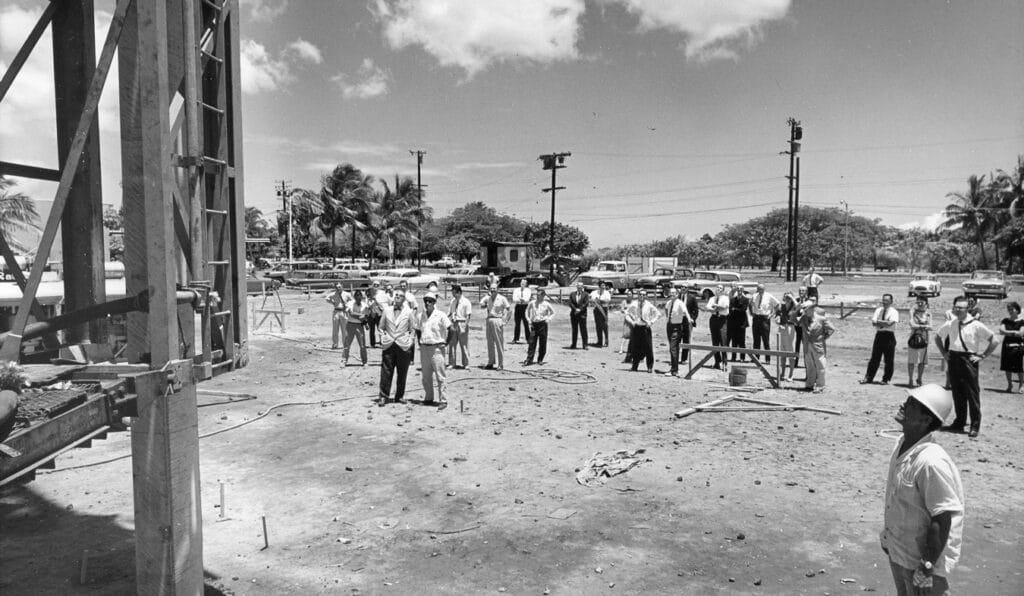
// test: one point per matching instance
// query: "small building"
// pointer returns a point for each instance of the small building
(506, 257)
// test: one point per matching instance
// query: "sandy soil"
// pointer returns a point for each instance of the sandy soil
(408, 500)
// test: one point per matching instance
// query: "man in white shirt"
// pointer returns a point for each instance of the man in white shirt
(520, 298)
(811, 281)
(677, 326)
(970, 342)
(884, 321)
(432, 326)
(538, 313)
(924, 499)
(718, 306)
(339, 299)
(396, 337)
(497, 311)
(640, 340)
(763, 307)
(602, 301)
(460, 310)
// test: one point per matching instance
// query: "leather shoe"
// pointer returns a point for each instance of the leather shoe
(952, 429)
(865, 382)
(973, 434)
(527, 363)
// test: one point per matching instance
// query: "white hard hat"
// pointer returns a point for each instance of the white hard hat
(935, 398)
(430, 296)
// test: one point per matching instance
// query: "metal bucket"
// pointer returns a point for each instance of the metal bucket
(737, 376)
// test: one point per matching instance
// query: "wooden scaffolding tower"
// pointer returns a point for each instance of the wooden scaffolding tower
(184, 255)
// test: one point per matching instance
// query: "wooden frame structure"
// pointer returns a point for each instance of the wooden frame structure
(181, 171)
(753, 353)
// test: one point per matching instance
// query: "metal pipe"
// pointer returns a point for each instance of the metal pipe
(137, 303)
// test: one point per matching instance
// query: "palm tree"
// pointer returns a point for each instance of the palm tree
(1008, 190)
(395, 213)
(969, 213)
(349, 192)
(17, 215)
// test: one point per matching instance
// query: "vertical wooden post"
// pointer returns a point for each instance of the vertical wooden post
(165, 440)
(233, 119)
(74, 61)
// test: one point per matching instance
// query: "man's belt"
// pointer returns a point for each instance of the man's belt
(762, 316)
(432, 345)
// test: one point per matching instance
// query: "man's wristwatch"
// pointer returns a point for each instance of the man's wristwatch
(927, 566)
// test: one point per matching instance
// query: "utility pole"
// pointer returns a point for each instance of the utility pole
(846, 240)
(796, 133)
(419, 194)
(285, 193)
(553, 162)
(796, 219)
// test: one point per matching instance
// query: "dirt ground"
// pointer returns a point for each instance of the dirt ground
(482, 497)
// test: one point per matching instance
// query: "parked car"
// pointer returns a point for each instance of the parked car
(660, 280)
(541, 279)
(925, 284)
(354, 267)
(611, 272)
(987, 284)
(703, 282)
(260, 285)
(283, 269)
(413, 277)
(466, 276)
(444, 263)
(318, 279)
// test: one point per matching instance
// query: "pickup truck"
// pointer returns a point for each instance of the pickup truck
(613, 272)
(661, 279)
(703, 283)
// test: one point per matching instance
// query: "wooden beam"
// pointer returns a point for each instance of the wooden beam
(166, 482)
(23, 171)
(82, 234)
(236, 196)
(12, 345)
(26, 49)
(50, 340)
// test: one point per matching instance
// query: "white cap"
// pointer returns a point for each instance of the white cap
(935, 398)
(430, 296)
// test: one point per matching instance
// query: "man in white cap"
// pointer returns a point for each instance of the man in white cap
(924, 499)
(432, 326)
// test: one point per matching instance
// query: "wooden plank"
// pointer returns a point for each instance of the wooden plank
(749, 351)
(49, 461)
(764, 371)
(82, 232)
(12, 345)
(47, 438)
(26, 49)
(710, 404)
(23, 171)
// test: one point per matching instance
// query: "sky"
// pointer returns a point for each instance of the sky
(674, 111)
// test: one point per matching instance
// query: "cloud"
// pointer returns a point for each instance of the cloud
(303, 50)
(473, 35)
(263, 71)
(370, 82)
(929, 223)
(263, 11)
(713, 29)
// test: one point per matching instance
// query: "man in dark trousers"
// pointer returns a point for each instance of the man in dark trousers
(677, 328)
(884, 321)
(718, 306)
(737, 325)
(396, 338)
(970, 342)
(763, 307)
(578, 302)
(520, 299)
(640, 340)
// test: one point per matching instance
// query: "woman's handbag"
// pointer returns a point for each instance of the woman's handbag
(917, 340)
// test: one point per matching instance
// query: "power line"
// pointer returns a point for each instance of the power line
(672, 213)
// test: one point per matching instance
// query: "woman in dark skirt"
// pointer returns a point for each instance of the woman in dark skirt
(1012, 358)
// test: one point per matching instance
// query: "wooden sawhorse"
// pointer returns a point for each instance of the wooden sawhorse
(778, 354)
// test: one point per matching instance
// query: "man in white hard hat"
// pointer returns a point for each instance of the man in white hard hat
(924, 498)
(432, 327)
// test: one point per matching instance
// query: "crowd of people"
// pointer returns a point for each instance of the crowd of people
(393, 319)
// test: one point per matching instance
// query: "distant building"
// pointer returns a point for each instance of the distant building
(506, 256)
